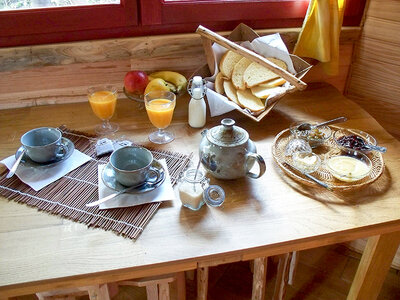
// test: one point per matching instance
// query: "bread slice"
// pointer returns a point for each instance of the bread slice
(238, 71)
(263, 92)
(230, 91)
(228, 61)
(256, 74)
(219, 83)
(273, 83)
(248, 100)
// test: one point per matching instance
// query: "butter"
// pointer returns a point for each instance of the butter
(307, 162)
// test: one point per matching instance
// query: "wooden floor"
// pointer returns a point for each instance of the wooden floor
(323, 274)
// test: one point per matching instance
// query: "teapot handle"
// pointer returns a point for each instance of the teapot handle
(250, 158)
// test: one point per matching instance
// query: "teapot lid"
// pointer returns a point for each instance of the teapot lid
(227, 135)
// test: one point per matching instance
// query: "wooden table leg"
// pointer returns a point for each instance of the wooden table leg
(152, 292)
(282, 276)
(375, 262)
(163, 291)
(202, 283)
(259, 278)
(181, 285)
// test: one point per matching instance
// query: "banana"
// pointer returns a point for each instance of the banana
(175, 78)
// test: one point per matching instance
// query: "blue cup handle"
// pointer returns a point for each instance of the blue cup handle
(63, 149)
(158, 176)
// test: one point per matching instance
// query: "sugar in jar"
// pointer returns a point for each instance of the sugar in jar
(194, 190)
(191, 189)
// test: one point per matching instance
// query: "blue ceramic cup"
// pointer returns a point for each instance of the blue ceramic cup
(132, 165)
(43, 144)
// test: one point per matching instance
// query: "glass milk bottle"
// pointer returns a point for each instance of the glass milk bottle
(197, 105)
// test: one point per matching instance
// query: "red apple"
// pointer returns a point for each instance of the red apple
(135, 82)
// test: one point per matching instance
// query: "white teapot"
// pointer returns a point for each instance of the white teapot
(227, 152)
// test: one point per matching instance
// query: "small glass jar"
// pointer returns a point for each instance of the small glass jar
(194, 190)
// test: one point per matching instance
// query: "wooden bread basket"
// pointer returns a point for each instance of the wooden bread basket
(245, 33)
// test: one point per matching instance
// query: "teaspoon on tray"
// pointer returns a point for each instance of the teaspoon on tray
(306, 163)
(309, 176)
(308, 126)
(374, 148)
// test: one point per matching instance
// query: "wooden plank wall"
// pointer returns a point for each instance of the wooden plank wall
(59, 73)
(374, 80)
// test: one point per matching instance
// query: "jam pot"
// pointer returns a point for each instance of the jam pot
(226, 152)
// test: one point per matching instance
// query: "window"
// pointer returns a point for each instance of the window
(25, 4)
(148, 17)
(187, 11)
(58, 24)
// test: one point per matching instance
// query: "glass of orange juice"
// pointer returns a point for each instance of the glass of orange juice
(103, 100)
(160, 108)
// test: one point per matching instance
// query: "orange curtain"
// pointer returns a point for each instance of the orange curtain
(319, 36)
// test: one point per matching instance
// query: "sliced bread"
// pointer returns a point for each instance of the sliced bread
(230, 91)
(256, 74)
(219, 83)
(238, 71)
(248, 100)
(273, 83)
(227, 62)
(263, 92)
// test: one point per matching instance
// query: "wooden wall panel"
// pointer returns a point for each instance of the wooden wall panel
(382, 29)
(374, 80)
(49, 74)
(387, 9)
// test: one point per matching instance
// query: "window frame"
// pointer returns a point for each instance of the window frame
(153, 17)
(42, 21)
(155, 12)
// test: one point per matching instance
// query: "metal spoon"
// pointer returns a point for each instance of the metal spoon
(374, 148)
(308, 126)
(309, 176)
(112, 196)
(15, 166)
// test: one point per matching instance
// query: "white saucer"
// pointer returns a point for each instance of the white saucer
(109, 180)
(61, 156)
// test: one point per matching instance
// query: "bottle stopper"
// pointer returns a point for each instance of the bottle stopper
(197, 82)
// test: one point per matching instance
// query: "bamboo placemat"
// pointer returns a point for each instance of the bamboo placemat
(67, 196)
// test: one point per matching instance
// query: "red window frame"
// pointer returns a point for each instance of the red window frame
(34, 24)
(149, 17)
(268, 12)
(189, 11)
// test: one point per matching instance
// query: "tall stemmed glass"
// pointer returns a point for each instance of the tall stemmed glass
(103, 100)
(160, 108)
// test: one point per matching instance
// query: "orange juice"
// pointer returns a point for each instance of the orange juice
(103, 104)
(160, 112)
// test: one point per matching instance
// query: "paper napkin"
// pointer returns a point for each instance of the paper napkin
(164, 192)
(39, 177)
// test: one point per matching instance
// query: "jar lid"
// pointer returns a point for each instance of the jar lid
(214, 195)
(227, 135)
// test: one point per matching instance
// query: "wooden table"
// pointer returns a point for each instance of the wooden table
(264, 217)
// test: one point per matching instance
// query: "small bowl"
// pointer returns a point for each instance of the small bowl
(315, 137)
(136, 97)
(307, 162)
(368, 139)
(349, 166)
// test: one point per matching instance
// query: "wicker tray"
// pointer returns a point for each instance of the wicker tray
(326, 150)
